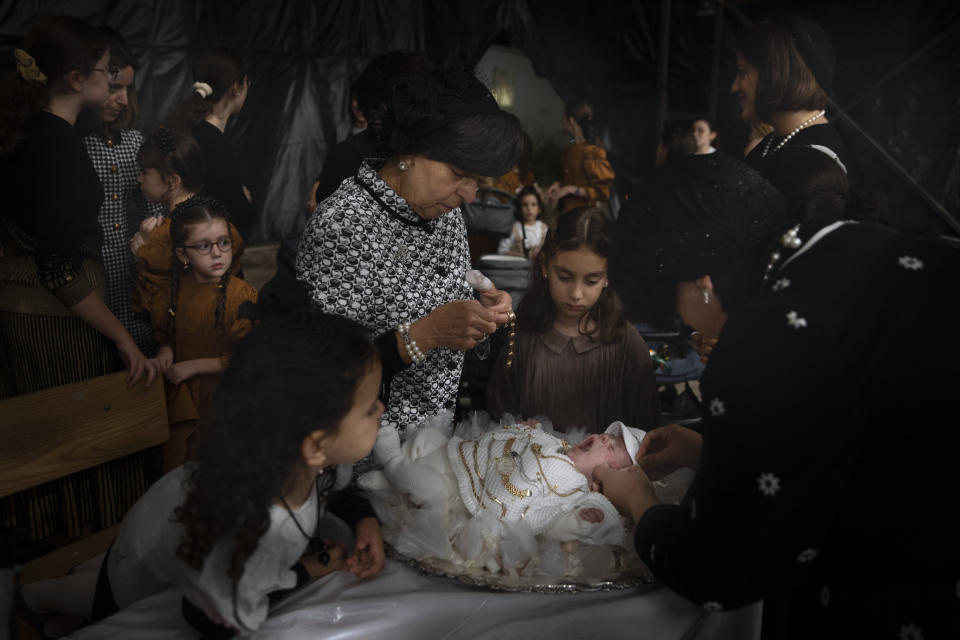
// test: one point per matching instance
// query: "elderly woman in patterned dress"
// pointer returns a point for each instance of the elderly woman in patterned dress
(825, 466)
(388, 249)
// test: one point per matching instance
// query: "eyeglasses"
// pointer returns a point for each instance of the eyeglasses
(204, 246)
(110, 72)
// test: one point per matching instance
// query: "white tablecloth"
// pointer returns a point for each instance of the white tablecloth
(403, 604)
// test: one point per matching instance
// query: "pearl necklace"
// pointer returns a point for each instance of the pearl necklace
(790, 240)
(791, 134)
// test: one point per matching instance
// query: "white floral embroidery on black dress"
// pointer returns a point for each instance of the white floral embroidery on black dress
(712, 606)
(807, 555)
(768, 484)
(911, 263)
(795, 321)
(364, 263)
(781, 284)
(910, 632)
(716, 408)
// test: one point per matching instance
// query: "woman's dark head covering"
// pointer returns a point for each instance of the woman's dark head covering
(451, 117)
(814, 47)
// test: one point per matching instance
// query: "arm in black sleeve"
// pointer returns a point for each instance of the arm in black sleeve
(60, 174)
(774, 453)
(350, 506)
(389, 357)
(222, 177)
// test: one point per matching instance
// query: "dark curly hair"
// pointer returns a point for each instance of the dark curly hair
(171, 151)
(59, 44)
(220, 68)
(580, 228)
(288, 378)
(450, 117)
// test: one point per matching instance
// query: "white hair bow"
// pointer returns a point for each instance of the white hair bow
(203, 89)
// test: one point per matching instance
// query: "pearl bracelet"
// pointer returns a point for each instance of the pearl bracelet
(416, 355)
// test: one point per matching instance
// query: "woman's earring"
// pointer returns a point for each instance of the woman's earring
(403, 166)
(706, 296)
(186, 266)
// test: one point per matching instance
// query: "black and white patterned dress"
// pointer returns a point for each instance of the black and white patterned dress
(123, 206)
(380, 264)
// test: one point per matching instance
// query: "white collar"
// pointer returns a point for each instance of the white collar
(819, 235)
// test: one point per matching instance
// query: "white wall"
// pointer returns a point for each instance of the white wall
(535, 103)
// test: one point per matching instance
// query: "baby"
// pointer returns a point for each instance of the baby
(516, 473)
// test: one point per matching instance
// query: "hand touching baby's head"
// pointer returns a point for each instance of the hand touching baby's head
(597, 449)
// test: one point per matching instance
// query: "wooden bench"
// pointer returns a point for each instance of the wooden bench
(53, 433)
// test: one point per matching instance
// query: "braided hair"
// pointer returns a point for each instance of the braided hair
(194, 210)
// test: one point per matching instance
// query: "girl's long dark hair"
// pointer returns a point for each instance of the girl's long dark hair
(59, 44)
(288, 378)
(220, 68)
(582, 228)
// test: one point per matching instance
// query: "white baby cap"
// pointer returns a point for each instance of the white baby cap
(631, 437)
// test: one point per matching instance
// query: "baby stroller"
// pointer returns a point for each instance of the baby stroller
(489, 219)
(676, 363)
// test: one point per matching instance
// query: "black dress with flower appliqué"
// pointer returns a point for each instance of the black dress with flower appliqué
(828, 480)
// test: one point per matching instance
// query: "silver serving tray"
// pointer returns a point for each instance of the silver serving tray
(638, 576)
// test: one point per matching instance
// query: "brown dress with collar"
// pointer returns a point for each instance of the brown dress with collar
(577, 382)
(197, 334)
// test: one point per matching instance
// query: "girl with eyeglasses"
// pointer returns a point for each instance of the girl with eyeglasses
(197, 319)
(172, 173)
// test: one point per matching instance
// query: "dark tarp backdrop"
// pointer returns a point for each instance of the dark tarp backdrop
(302, 57)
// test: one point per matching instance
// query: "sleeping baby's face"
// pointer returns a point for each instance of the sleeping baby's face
(598, 449)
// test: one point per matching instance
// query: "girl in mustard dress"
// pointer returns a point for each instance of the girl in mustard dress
(197, 318)
(585, 173)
